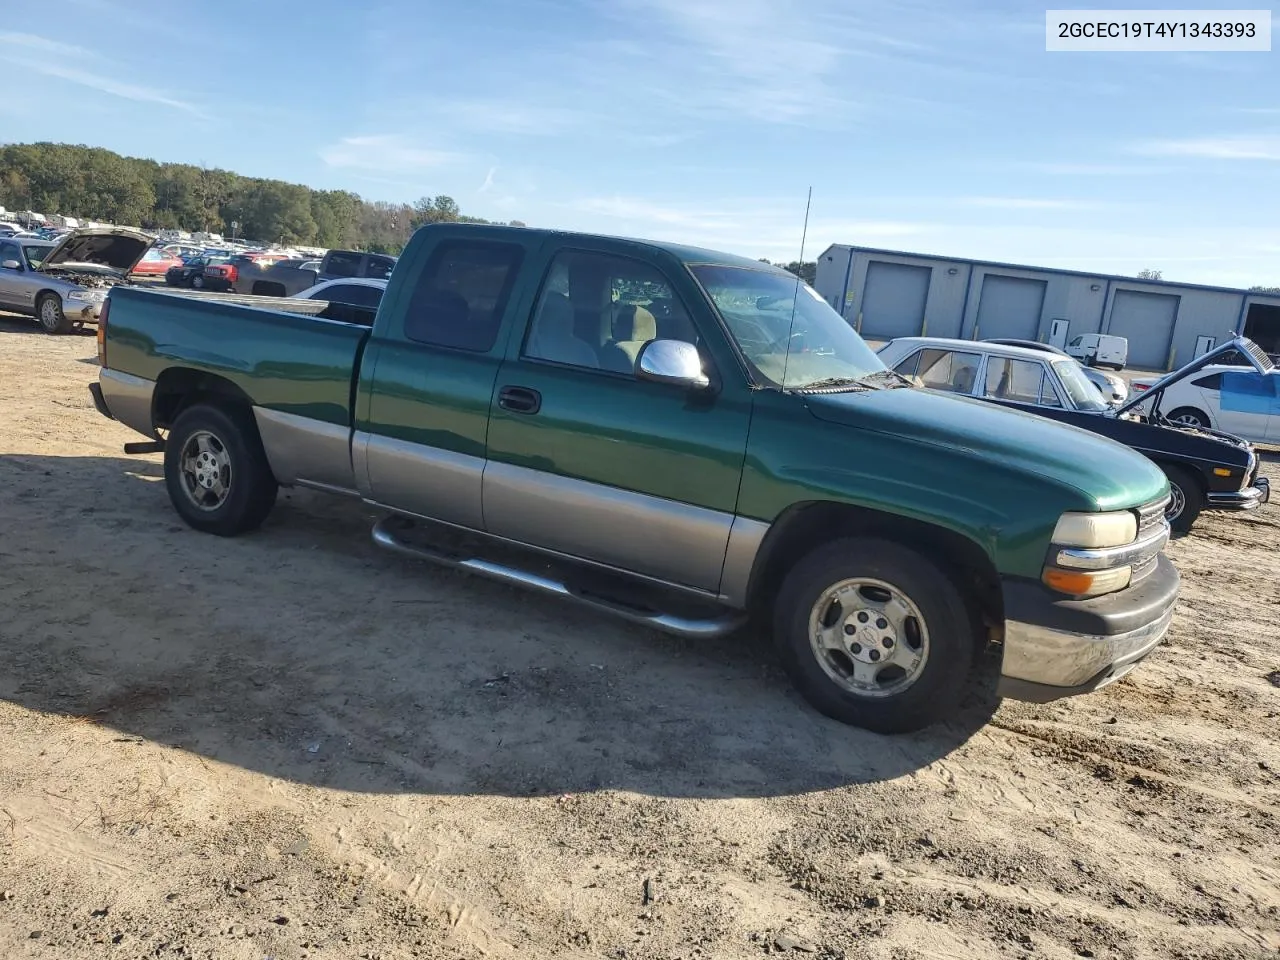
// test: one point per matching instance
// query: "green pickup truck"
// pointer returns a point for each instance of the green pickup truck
(684, 438)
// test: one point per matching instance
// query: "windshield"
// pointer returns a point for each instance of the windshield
(1084, 395)
(757, 308)
(36, 252)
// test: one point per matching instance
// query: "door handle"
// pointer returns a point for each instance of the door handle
(519, 399)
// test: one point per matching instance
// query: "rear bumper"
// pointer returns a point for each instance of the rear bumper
(1056, 648)
(126, 398)
(1248, 499)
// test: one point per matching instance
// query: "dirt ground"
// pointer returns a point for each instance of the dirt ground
(293, 745)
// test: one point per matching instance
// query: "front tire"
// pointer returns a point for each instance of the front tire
(216, 471)
(197, 282)
(1189, 416)
(1186, 499)
(51, 315)
(874, 634)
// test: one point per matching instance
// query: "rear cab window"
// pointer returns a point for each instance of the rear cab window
(462, 294)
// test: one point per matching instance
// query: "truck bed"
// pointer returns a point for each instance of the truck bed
(310, 349)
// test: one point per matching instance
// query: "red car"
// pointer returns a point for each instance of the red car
(156, 263)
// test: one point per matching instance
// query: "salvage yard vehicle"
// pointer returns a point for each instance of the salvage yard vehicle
(1100, 350)
(64, 284)
(682, 438)
(1242, 400)
(1206, 470)
(1113, 387)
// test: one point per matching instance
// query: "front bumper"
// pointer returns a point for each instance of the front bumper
(1056, 647)
(1248, 499)
(85, 311)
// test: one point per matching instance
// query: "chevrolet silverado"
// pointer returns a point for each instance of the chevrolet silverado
(680, 437)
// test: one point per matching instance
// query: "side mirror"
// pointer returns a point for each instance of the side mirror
(11, 265)
(672, 361)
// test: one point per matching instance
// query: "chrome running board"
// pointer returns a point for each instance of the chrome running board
(708, 627)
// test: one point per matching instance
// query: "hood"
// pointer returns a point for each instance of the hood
(1254, 354)
(1111, 475)
(116, 249)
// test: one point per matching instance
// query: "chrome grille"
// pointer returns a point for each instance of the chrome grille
(1150, 518)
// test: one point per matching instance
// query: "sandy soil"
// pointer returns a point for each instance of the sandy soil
(292, 745)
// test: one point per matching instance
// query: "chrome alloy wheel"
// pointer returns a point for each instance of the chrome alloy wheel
(206, 470)
(869, 637)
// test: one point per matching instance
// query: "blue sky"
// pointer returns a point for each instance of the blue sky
(925, 125)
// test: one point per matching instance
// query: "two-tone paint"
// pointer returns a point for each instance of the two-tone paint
(676, 487)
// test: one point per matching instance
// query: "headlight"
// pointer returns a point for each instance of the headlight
(1094, 530)
(87, 296)
(1095, 553)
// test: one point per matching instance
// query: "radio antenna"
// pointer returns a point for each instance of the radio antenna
(795, 300)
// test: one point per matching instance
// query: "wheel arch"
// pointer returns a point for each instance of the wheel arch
(805, 526)
(178, 388)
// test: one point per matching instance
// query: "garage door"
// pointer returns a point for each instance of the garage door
(1010, 307)
(893, 300)
(1146, 320)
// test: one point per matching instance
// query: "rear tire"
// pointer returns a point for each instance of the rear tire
(197, 282)
(51, 315)
(1187, 499)
(875, 635)
(216, 471)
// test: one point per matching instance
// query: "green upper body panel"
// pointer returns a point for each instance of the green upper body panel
(997, 476)
(284, 361)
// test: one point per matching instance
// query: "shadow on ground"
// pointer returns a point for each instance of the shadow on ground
(303, 652)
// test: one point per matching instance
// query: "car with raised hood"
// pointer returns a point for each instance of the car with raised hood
(64, 284)
(1230, 395)
(679, 437)
(1207, 470)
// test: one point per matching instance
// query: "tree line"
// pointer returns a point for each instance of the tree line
(95, 184)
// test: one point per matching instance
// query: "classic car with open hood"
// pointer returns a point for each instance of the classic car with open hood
(64, 284)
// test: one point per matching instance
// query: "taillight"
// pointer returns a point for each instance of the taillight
(1139, 387)
(232, 274)
(102, 331)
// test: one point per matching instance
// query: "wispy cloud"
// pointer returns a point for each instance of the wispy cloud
(755, 227)
(1095, 169)
(51, 58)
(1025, 203)
(511, 116)
(29, 41)
(1241, 147)
(385, 153)
(755, 54)
(488, 181)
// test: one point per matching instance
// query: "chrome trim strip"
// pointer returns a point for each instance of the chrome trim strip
(745, 538)
(329, 488)
(662, 538)
(681, 626)
(303, 449)
(427, 481)
(129, 400)
(1056, 658)
(1104, 558)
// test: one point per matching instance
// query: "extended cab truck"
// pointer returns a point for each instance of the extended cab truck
(681, 437)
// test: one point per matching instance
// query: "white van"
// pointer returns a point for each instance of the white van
(1100, 350)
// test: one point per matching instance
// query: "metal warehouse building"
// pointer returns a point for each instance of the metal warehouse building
(888, 293)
